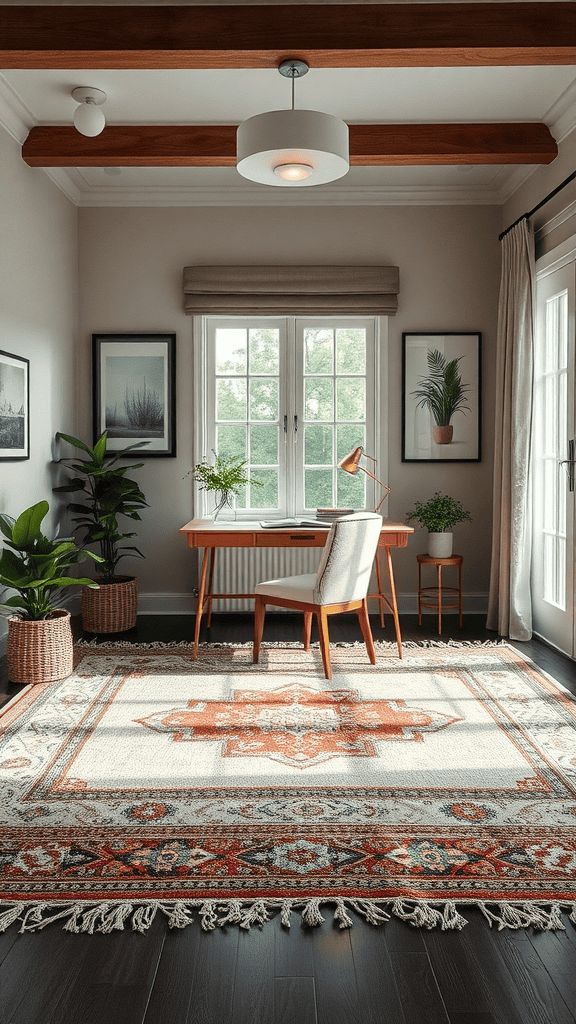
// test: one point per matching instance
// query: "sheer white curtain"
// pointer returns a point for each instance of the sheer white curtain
(510, 602)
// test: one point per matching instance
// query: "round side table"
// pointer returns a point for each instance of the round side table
(432, 597)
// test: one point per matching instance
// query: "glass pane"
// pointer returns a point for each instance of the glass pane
(267, 495)
(318, 488)
(318, 445)
(230, 399)
(241, 499)
(264, 350)
(351, 350)
(348, 437)
(318, 399)
(351, 490)
(230, 350)
(231, 440)
(319, 350)
(350, 398)
(264, 445)
(263, 399)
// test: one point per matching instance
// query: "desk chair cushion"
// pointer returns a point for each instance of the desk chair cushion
(345, 567)
(293, 588)
(347, 559)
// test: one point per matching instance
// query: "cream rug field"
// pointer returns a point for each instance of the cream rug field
(147, 782)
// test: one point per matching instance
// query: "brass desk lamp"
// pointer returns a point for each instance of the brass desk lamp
(351, 464)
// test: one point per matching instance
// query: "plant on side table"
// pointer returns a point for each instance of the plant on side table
(442, 393)
(438, 515)
(226, 477)
(108, 493)
(40, 642)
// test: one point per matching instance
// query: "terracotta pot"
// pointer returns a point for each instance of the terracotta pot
(440, 545)
(442, 435)
(39, 651)
(112, 608)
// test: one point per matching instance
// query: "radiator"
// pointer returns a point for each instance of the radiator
(238, 570)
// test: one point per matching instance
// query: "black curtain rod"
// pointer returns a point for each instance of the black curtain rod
(546, 199)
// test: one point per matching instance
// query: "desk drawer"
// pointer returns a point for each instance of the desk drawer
(297, 539)
(226, 539)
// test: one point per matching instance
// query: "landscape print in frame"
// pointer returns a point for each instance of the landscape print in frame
(14, 407)
(441, 396)
(134, 392)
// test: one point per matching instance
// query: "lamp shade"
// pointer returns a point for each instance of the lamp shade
(88, 118)
(350, 463)
(292, 147)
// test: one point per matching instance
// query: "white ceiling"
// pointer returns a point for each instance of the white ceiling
(372, 95)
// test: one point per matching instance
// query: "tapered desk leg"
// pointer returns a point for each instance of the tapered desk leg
(210, 579)
(200, 604)
(380, 592)
(394, 602)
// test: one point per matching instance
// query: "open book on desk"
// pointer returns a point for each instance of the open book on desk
(290, 524)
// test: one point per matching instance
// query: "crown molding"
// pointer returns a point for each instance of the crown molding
(15, 116)
(339, 196)
(561, 118)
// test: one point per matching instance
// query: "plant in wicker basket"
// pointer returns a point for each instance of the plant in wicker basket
(39, 635)
(108, 492)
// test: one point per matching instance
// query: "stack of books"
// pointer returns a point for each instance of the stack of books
(328, 515)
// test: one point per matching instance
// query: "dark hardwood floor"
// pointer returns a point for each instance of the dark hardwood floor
(393, 974)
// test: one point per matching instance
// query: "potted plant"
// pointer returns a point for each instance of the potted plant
(438, 515)
(108, 492)
(39, 636)
(442, 393)
(226, 477)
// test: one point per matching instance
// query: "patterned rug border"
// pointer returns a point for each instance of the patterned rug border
(88, 916)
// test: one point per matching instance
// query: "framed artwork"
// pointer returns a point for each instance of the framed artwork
(134, 392)
(441, 396)
(14, 407)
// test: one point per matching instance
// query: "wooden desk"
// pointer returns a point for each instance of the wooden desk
(204, 533)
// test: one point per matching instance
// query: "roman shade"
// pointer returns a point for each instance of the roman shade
(291, 291)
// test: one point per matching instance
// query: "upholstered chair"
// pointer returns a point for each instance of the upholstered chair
(340, 585)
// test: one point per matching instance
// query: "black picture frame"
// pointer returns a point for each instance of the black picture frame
(421, 440)
(134, 392)
(14, 407)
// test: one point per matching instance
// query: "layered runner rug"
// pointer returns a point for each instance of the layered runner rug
(147, 782)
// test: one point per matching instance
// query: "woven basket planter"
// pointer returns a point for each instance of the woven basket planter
(112, 608)
(39, 651)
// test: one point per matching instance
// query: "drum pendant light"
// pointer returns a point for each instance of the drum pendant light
(292, 147)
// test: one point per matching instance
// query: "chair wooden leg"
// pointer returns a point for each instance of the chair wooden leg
(259, 613)
(307, 629)
(364, 621)
(324, 641)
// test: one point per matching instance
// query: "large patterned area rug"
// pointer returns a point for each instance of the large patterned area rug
(147, 782)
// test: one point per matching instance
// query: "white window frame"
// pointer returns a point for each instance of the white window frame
(376, 424)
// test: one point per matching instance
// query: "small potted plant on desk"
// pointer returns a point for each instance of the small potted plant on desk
(40, 645)
(108, 493)
(438, 515)
(226, 477)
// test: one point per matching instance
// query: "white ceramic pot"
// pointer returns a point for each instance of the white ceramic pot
(440, 545)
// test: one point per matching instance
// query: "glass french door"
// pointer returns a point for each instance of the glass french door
(554, 433)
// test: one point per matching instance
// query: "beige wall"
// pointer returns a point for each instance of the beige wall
(38, 317)
(131, 264)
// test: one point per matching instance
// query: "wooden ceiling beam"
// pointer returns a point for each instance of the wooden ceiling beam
(346, 36)
(215, 145)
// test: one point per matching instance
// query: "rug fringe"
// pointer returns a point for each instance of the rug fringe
(113, 915)
(384, 645)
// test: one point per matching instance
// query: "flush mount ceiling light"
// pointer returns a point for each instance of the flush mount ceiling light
(88, 119)
(292, 147)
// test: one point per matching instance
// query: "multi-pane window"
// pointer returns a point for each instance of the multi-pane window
(292, 397)
(551, 398)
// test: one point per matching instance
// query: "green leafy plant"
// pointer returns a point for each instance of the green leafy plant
(108, 493)
(442, 392)
(439, 513)
(225, 475)
(36, 567)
